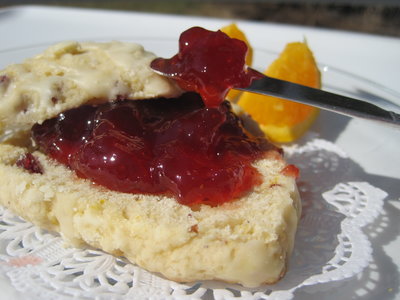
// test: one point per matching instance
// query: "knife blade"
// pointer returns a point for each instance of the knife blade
(322, 99)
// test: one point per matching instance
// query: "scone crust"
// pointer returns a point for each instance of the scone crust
(246, 241)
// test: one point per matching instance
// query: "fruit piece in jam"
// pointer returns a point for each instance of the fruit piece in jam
(30, 163)
(209, 63)
(178, 147)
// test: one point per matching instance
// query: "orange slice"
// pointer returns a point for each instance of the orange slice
(282, 120)
(233, 31)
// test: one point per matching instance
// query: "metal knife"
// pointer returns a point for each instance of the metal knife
(323, 99)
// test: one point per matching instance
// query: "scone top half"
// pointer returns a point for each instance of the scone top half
(70, 74)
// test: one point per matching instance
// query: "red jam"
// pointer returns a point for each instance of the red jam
(209, 63)
(176, 147)
(291, 170)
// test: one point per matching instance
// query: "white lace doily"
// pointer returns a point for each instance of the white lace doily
(330, 245)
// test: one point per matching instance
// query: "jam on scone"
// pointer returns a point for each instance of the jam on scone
(122, 159)
(176, 146)
(192, 147)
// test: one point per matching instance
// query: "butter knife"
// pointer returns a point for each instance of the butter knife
(322, 99)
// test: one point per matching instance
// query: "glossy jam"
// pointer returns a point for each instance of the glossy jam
(209, 63)
(176, 147)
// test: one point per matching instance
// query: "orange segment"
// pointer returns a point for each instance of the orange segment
(233, 31)
(283, 120)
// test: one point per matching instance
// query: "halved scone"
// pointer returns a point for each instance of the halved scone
(247, 240)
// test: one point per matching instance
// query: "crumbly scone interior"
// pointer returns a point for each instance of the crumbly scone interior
(246, 241)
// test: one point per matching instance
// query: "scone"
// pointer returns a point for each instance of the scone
(247, 239)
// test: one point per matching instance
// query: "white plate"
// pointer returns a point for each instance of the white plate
(355, 64)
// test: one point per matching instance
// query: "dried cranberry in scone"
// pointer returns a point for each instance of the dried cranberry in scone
(30, 163)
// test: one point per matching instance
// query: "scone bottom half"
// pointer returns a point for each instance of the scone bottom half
(246, 241)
